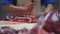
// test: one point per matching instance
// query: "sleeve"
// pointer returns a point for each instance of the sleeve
(46, 2)
(7, 2)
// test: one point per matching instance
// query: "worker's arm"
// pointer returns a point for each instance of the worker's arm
(49, 8)
(17, 9)
(12, 8)
(49, 5)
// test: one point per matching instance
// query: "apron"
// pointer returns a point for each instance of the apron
(22, 2)
(36, 10)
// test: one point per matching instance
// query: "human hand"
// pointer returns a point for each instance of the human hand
(44, 13)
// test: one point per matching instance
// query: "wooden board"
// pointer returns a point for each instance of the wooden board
(17, 26)
(14, 22)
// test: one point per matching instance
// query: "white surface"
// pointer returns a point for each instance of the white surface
(20, 26)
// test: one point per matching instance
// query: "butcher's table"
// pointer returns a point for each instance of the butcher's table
(17, 25)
